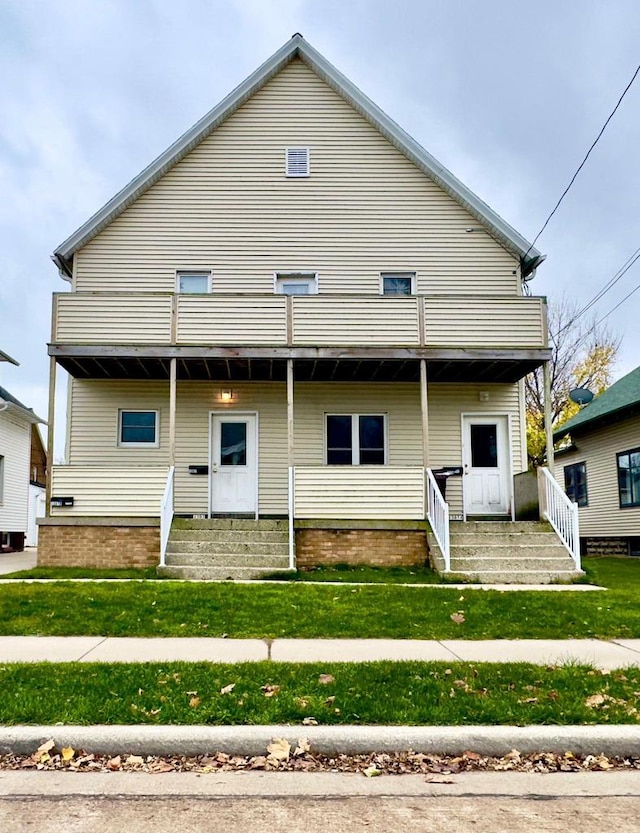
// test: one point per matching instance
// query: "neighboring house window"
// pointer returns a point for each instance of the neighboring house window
(575, 483)
(1, 479)
(400, 283)
(356, 439)
(290, 283)
(297, 162)
(629, 478)
(138, 428)
(194, 282)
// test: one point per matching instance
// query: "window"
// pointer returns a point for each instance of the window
(194, 282)
(629, 478)
(575, 483)
(297, 162)
(138, 428)
(400, 283)
(356, 439)
(291, 283)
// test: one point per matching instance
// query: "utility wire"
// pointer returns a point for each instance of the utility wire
(581, 165)
(606, 315)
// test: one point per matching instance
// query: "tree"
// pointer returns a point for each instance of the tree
(583, 353)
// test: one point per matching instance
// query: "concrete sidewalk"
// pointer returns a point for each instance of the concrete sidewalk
(602, 654)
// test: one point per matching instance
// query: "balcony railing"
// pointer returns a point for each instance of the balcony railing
(279, 320)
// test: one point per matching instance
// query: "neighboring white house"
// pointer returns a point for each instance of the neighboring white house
(17, 496)
(295, 315)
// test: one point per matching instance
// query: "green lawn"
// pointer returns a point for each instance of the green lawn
(401, 693)
(307, 610)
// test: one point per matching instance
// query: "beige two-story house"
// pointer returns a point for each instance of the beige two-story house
(280, 332)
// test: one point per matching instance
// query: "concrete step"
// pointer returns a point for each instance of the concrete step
(230, 547)
(500, 526)
(217, 573)
(270, 536)
(227, 561)
(508, 551)
(514, 564)
(524, 577)
(261, 525)
(470, 538)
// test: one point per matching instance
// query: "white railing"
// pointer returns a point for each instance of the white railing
(561, 513)
(166, 514)
(292, 545)
(438, 517)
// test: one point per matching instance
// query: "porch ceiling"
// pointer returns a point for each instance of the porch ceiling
(338, 369)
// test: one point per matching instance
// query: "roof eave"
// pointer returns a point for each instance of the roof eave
(298, 47)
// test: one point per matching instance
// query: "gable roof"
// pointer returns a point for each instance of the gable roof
(298, 47)
(15, 405)
(621, 400)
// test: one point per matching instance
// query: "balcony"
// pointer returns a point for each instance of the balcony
(200, 321)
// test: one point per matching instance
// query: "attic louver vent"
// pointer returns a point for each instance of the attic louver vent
(297, 162)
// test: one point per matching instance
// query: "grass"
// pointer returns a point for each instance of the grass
(82, 572)
(396, 693)
(364, 574)
(306, 611)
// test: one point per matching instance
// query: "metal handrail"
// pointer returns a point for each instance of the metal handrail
(560, 511)
(438, 517)
(166, 514)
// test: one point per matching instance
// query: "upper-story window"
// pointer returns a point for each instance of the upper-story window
(575, 483)
(297, 162)
(398, 283)
(629, 478)
(290, 283)
(193, 282)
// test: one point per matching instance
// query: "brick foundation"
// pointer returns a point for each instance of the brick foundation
(95, 546)
(605, 546)
(374, 547)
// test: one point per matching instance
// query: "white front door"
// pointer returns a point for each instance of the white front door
(486, 465)
(233, 464)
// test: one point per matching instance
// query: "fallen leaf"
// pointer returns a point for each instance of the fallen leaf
(228, 688)
(67, 753)
(458, 618)
(270, 690)
(439, 779)
(279, 749)
(302, 747)
(594, 700)
(194, 702)
(325, 679)
(371, 771)
(134, 760)
(114, 763)
(309, 721)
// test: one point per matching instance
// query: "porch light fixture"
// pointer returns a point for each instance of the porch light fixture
(226, 395)
(483, 396)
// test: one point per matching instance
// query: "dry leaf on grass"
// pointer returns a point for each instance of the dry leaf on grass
(594, 700)
(325, 679)
(227, 689)
(309, 721)
(270, 690)
(194, 702)
(458, 618)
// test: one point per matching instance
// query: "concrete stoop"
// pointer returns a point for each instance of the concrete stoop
(226, 548)
(506, 552)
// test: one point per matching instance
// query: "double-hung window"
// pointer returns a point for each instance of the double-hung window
(356, 439)
(138, 428)
(629, 478)
(575, 483)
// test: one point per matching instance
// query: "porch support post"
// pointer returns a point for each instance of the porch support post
(548, 428)
(424, 407)
(290, 412)
(172, 412)
(51, 433)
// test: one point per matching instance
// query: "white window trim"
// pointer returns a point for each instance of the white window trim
(398, 274)
(281, 278)
(199, 273)
(124, 444)
(304, 175)
(355, 436)
(2, 477)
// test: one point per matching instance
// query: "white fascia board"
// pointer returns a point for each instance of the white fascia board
(297, 46)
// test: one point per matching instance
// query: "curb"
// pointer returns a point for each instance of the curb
(613, 741)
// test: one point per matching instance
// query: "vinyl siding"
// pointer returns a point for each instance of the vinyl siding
(598, 449)
(95, 407)
(104, 491)
(228, 207)
(113, 319)
(479, 322)
(15, 446)
(232, 320)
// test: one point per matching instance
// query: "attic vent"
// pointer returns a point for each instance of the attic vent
(297, 161)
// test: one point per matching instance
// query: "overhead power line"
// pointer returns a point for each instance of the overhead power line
(582, 164)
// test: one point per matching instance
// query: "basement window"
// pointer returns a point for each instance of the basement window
(297, 162)
(138, 428)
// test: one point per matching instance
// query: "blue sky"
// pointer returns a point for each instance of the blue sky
(508, 94)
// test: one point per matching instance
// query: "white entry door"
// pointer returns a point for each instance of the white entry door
(487, 465)
(233, 465)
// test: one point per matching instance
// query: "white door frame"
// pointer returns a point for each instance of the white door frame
(489, 415)
(232, 413)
